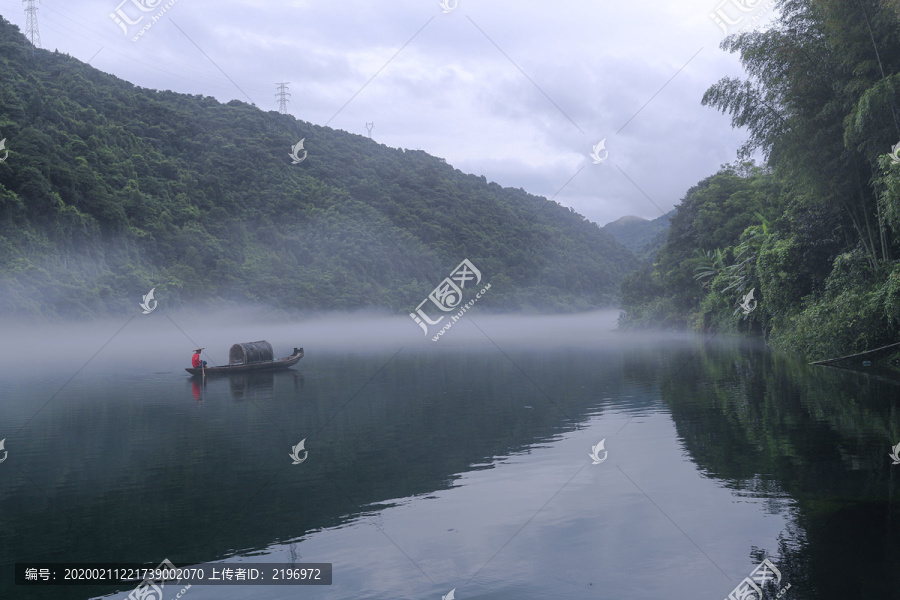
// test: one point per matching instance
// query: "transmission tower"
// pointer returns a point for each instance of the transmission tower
(283, 94)
(31, 24)
(369, 126)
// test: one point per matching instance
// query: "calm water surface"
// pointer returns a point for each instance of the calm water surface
(463, 464)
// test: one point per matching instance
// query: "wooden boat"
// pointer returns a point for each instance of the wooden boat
(269, 365)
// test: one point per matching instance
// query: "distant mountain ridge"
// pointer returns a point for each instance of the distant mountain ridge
(110, 190)
(637, 233)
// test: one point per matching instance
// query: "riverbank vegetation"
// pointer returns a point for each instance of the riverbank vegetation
(815, 231)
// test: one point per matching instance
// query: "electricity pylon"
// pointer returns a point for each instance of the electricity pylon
(283, 94)
(31, 24)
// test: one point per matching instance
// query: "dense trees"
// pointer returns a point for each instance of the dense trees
(815, 232)
(110, 190)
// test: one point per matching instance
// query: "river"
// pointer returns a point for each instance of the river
(463, 464)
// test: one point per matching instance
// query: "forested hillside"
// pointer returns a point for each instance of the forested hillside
(110, 190)
(813, 233)
(640, 235)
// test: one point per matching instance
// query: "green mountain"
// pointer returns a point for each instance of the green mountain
(640, 235)
(110, 190)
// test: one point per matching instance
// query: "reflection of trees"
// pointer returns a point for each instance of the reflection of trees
(210, 483)
(202, 483)
(766, 425)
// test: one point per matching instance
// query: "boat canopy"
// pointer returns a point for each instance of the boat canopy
(251, 352)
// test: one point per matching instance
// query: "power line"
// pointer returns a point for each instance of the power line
(283, 94)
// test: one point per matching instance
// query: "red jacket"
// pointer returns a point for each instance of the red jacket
(196, 360)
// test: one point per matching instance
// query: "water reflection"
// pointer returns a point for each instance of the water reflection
(770, 426)
(747, 453)
(255, 385)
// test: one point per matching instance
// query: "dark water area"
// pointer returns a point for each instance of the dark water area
(459, 465)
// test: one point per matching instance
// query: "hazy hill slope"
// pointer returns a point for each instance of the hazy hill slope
(636, 233)
(111, 189)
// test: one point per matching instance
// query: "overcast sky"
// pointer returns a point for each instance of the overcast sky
(519, 92)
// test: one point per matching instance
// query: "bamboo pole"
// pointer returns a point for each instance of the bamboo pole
(831, 360)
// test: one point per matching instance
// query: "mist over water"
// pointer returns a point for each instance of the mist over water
(164, 340)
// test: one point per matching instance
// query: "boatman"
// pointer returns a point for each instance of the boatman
(196, 362)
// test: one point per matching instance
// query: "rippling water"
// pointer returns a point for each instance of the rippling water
(458, 465)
